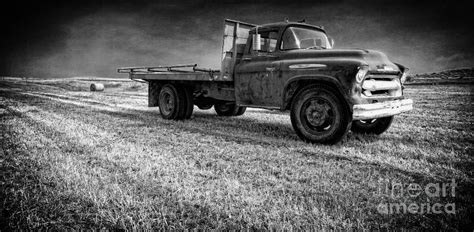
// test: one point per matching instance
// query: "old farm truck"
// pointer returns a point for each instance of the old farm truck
(285, 66)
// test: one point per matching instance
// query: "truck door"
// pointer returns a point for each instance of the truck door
(257, 76)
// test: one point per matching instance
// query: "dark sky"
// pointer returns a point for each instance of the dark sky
(93, 38)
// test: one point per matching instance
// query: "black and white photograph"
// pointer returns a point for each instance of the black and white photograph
(237, 115)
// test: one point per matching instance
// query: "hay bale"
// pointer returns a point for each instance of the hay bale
(97, 87)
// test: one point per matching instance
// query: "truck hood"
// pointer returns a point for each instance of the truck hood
(377, 61)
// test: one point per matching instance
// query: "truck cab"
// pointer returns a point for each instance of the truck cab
(290, 58)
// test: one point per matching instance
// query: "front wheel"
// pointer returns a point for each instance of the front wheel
(372, 126)
(319, 116)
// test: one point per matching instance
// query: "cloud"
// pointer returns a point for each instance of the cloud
(96, 39)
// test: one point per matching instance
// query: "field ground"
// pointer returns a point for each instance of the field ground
(71, 158)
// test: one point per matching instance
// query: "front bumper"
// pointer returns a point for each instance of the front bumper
(381, 109)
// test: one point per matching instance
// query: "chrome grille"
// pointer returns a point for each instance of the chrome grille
(381, 85)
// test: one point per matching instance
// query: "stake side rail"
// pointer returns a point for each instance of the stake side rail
(182, 72)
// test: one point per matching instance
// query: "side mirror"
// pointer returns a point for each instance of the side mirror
(256, 45)
(331, 41)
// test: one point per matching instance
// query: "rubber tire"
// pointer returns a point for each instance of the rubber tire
(154, 88)
(342, 119)
(377, 127)
(223, 109)
(189, 105)
(178, 109)
(204, 107)
(241, 110)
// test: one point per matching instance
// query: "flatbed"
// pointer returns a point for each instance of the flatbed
(174, 72)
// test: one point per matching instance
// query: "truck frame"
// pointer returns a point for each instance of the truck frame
(285, 66)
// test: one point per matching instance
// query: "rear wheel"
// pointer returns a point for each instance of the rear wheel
(319, 116)
(172, 102)
(229, 109)
(189, 105)
(372, 126)
(204, 106)
(241, 110)
(225, 109)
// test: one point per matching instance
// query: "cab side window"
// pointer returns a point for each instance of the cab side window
(268, 41)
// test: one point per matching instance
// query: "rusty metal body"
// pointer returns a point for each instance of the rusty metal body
(271, 78)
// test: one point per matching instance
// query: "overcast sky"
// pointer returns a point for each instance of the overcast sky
(64, 39)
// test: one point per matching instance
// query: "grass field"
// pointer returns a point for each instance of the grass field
(71, 158)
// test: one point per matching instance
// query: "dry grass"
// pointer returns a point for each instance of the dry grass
(77, 159)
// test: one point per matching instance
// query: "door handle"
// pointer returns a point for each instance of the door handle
(270, 69)
(246, 59)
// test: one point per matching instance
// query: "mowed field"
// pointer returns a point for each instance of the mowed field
(72, 158)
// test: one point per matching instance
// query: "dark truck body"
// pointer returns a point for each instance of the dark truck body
(277, 78)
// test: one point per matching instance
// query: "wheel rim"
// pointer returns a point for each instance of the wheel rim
(318, 114)
(167, 102)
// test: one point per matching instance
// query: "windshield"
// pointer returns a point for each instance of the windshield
(304, 38)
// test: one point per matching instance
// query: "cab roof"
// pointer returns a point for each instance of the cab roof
(285, 24)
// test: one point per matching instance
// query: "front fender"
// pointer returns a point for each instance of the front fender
(297, 82)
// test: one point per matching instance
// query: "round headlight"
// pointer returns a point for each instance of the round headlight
(361, 73)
